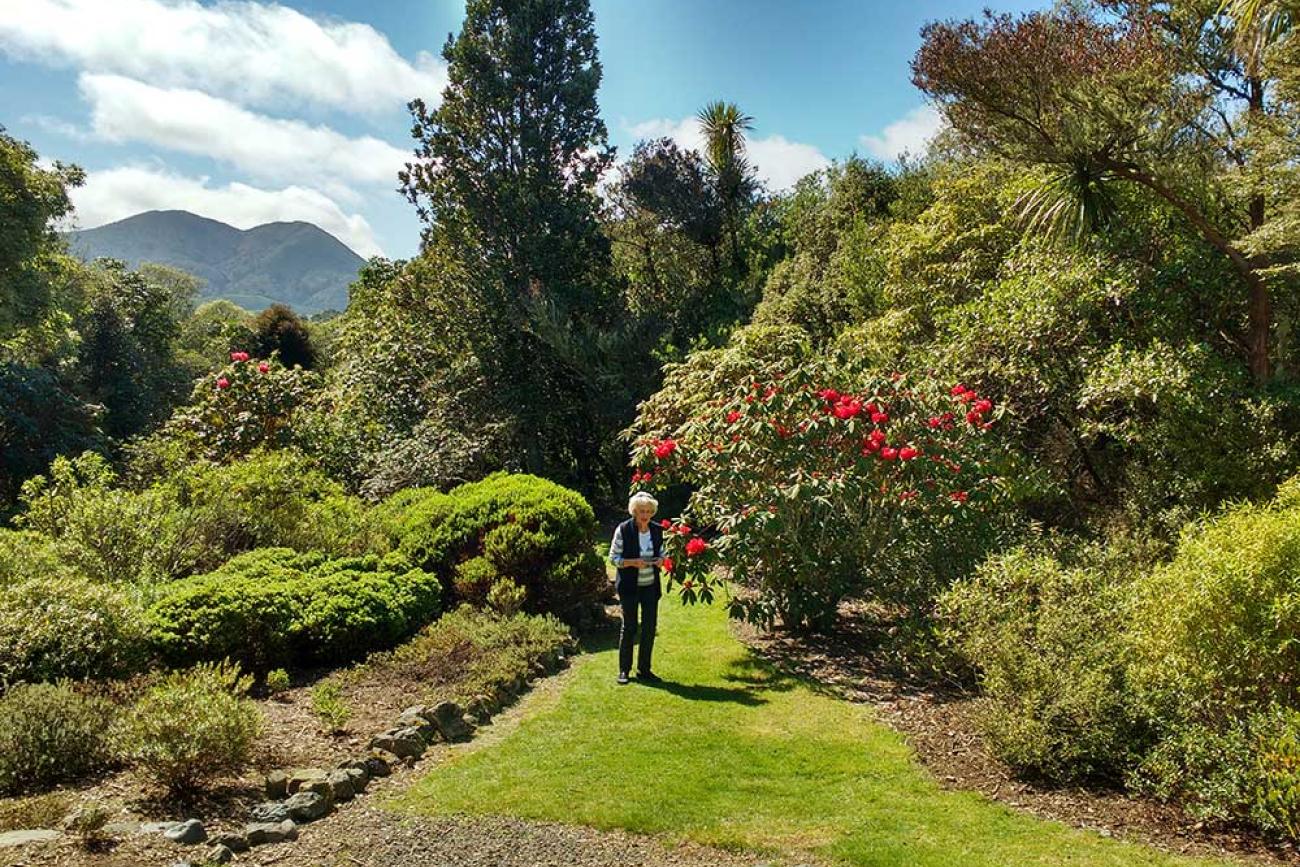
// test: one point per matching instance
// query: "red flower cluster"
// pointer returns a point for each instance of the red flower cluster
(733, 416)
(664, 448)
(959, 496)
(642, 476)
(979, 406)
(696, 546)
(239, 356)
(223, 383)
(263, 367)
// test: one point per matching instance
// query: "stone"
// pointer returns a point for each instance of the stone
(470, 723)
(379, 764)
(358, 776)
(449, 717)
(307, 806)
(220, 855)
(21, 838)
(187, 833)
(341, 788)
(277, 785)
(307, 779)
(262, 833)
(233, 841)
(409, 720)
(270, 811)
(400, 742)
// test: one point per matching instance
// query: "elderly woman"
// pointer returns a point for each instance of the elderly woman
(636, 551)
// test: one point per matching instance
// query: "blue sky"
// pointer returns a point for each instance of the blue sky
(249, 112)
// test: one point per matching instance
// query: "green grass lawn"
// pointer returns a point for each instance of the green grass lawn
(730, 753)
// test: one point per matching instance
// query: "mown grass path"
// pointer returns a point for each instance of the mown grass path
(730, 753)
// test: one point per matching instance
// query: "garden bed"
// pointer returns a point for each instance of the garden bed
(463, 656)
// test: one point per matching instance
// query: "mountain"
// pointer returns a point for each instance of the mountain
(298, 264)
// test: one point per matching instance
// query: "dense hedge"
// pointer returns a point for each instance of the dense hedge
(520, 527)
(274, 607)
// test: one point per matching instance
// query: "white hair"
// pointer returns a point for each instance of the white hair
(640, 498)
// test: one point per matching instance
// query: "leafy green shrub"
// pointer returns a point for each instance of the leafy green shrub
(25, 555)
(524, 527)
(473, 579)
(469, 652)
(1276, 796)
(193, 520)
(65, 626)
(106, 532)
(506, 597)
(1215, 652)
(277, 681)
(274, 606)
(49, 734)
(328, 705)
(269, 499)
(1047, 641)
(191, 726)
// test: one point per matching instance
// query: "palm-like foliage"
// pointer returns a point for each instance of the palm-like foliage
(1259, 23)
(724, 126)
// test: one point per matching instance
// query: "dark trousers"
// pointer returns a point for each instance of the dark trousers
(647, 600)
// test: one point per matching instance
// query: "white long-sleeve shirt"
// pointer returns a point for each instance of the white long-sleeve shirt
(645, 576)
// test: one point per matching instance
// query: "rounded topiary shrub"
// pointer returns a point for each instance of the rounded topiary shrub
(50, 734)
(526, 528)
(63, 625)
(191, 727)
(274, 607)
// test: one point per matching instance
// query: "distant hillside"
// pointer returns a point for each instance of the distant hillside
(298, 264)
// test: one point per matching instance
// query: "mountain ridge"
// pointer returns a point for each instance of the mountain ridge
(290, 262)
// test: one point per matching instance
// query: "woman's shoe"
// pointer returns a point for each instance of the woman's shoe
(622, 677)
(648, 677)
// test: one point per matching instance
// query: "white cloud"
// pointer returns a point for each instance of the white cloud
(910, 134)
(255, 53)
(268, 148)
(114, 194)
(778, 161)
(58, 126)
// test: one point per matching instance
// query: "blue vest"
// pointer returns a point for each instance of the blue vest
(626, 583)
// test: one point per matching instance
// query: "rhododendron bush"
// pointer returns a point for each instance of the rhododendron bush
(813, 480)
(250, 403)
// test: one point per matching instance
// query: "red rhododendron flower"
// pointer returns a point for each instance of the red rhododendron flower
(733, 416)
(665, 448)
(957, 389)
(959, 496)
(239, 356)
(668, 564)
(829, 395)
(848, 408)
(935, 422)
(879, 417)
(966, 396)
(263, 367)
(888, 453)
(877, 436)
(908, 495)
(666, 524)
(983, 405)
(696, 546)
(223, 383)
(973, 417)
(906, 453)
(870, 445)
